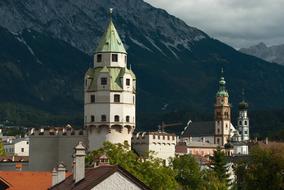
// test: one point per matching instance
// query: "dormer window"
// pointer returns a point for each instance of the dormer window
(127, 82)
(99, 58)
(103, 81)
(114, 57)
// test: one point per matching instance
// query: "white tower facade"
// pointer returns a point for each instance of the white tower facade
(110, 88)
(243, 121)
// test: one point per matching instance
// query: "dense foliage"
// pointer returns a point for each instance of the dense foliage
(264, 169)
(184, 172)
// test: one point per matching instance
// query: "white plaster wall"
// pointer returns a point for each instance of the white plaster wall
(241, 149)
(99, 135)
(162, 147)
(18, 148)
(116, 182)
(106, 60)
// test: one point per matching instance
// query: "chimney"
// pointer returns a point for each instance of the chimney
(61, 173)
(266, 140)
(80, 153)
(54, 176)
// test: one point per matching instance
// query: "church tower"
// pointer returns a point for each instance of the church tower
(243, 120)
(109, 93)
(222, 114)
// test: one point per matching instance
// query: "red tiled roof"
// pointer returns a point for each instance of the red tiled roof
(27, 180)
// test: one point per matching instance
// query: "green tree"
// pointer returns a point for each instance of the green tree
(2, 150)
(210, 181)
(151, 171)
(219, 165)
(188, 172)
(263, 170)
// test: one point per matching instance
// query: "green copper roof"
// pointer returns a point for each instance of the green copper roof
(110, 41)
(222, 88)
(115, 74)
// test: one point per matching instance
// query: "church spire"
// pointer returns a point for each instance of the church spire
(222, 86)
(110, 42)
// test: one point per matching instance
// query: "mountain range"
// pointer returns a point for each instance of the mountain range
(46, 47)
(273, 54)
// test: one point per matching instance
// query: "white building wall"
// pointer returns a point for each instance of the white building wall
(21, 148)
(163, 145)
(116, 182)
(240, 149)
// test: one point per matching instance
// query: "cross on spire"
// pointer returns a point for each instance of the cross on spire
(110, 13)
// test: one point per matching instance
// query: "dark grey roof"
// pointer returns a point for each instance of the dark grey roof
(94, 176)
(200, 129)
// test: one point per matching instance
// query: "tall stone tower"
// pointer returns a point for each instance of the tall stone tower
(109, 93)
(243, 120)
(222, 114)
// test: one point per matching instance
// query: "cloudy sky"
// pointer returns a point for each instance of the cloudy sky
(240, 23)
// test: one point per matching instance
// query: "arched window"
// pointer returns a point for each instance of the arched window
(218, 131)
(246, 122)
(116, 118)
(240, 122)
(127, 118)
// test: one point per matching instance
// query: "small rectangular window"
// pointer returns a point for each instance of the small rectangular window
(103, 81)
(92, 118)
(116, 98)
(93, 98)
(99, 58)
(114, 57)
(103, 118)
(127, 82)
(22, 149)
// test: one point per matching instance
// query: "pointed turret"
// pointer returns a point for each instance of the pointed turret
(110, 41)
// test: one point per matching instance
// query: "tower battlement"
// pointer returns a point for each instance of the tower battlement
(153, 137)
(57, 131)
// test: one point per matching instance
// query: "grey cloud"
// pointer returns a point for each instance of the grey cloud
(239, 23)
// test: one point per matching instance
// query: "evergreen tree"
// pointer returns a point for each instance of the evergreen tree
(188, 172)
(219, 165)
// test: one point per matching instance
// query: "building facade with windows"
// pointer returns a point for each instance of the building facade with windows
(109, 93)
(161, 144)
(17, 147)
